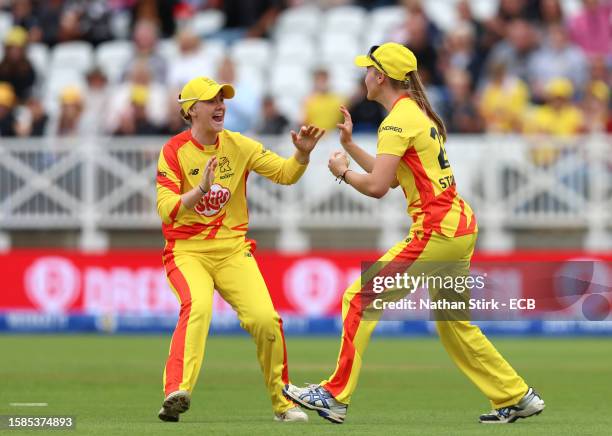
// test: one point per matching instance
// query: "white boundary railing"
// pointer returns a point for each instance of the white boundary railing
(97, 184)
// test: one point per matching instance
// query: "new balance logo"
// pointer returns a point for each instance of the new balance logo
(194, 172)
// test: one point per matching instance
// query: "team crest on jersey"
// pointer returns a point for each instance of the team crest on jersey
(214, 200)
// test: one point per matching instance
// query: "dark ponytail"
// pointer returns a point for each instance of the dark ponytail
(417, 91)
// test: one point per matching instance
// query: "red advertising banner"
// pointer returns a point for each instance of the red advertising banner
(311, 284)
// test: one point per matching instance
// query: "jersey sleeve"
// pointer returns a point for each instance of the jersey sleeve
(395, 136)
(169, 182)
(272, 166)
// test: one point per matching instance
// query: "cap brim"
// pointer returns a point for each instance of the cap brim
(228, 92)
(364, 61)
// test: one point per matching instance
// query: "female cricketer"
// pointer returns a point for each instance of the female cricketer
(410, 152)
(201, 199)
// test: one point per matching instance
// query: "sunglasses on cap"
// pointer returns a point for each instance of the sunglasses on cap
(371, 56)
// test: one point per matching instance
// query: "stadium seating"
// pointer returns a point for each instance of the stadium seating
(207, 22)
(77, 55)
(349, 19)
(255, 52)
(113, 56)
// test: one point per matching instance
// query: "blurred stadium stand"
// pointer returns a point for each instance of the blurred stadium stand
(95, 192)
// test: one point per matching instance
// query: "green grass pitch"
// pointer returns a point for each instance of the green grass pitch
(408, 386)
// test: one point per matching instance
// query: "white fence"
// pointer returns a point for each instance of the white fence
(98, 184)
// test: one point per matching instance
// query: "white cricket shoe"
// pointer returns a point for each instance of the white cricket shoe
(531, 404)
(175, 403)
(295, 414)
(316, 397)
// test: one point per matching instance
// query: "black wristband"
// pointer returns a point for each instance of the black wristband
(343, 176)
(202, 189)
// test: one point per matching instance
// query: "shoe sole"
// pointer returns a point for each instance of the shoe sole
(174, 405)
(323, 413)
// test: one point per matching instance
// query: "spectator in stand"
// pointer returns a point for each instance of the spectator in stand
(15, 68)
(162, 13)
(595, 107)
(558, 116)
(600, 70)
(464, 13)
(272, 122)
(190, 61)
(503, 100)
(120, 102)
(24, 16)
(34, 121)
(366, 114)
(507, 12)
(252, 19)
(241, 115)
(420, 35)
(7, 110)
(49, 14)
(551, 12)
(134, 120)
(591, 30)
(98, 101)
(556, 58)
(515, 51)
(460, 111)
(68, 122)
(145, 44)
(554, 123)
(175, 123)
(461, 52)
(322, 107)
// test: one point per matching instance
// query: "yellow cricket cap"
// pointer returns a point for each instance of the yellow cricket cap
(202, 88)
(140, 95)
(7, 95)
(560, 87)
(71, 95)
(17, 37)
(391, 59)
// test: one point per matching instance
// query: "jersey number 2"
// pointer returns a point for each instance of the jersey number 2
(442, 159)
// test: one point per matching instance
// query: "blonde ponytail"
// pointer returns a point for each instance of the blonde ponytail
(413, 84)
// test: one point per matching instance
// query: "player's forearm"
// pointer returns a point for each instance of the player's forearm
(359, 155)
(302, 157)
(366, 184)
(191, 198)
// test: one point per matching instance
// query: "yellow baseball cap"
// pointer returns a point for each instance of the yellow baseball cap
(560, 88)
(17, 37)
(391, 59)
(202, 88)
(7, 95)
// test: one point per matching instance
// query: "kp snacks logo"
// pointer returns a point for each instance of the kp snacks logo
(52, 283)
(213, 201)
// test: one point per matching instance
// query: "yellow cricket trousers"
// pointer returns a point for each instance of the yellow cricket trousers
(193, 276)
(471, 351)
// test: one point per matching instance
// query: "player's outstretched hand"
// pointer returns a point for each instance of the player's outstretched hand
(306, 139)
(346, 128)
(209, 174)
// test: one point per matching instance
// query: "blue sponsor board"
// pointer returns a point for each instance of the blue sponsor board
(34, 322)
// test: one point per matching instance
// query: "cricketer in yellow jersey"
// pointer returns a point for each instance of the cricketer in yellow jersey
(411, 154)
(201, 199)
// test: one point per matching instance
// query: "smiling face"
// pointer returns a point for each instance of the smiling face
(208, 115)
